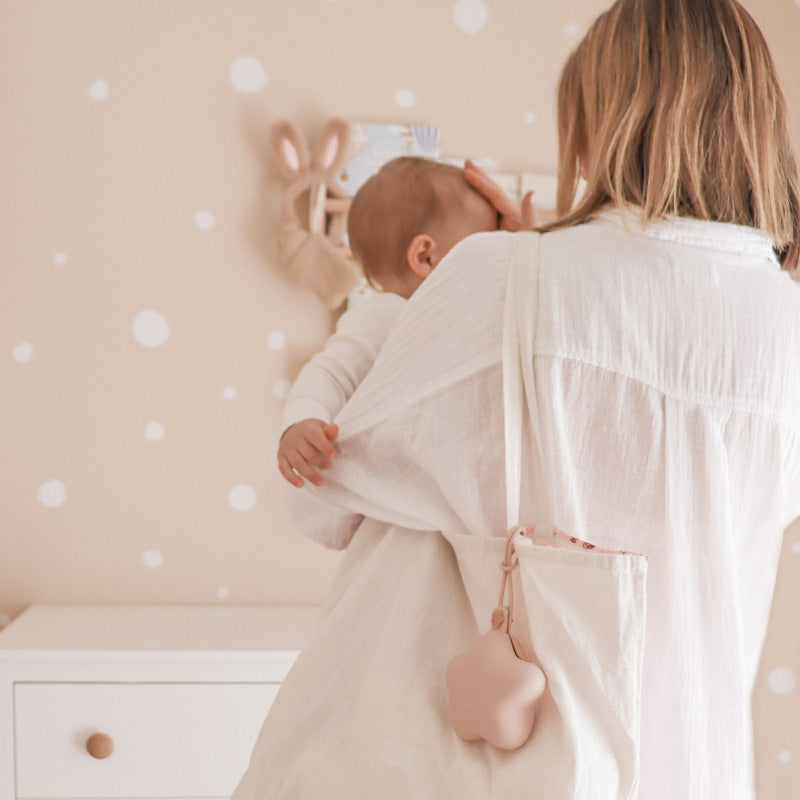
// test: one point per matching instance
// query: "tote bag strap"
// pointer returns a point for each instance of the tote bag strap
(519, 329)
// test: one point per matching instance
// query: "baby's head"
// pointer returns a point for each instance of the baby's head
(407, 217)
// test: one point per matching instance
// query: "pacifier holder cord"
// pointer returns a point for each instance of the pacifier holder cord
(503, 614)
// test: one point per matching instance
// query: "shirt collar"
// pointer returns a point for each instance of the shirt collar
(683, 230)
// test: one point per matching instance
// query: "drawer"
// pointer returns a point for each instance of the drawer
(170, 739)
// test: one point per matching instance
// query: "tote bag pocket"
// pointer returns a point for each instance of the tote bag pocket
(582, 613)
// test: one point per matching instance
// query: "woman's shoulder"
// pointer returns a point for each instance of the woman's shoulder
(479, 258)
(482, 247)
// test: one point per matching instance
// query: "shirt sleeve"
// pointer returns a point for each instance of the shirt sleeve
(329, 379)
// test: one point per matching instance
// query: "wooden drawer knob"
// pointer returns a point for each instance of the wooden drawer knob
(100, 745)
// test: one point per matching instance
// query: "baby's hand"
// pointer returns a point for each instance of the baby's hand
(306, 443)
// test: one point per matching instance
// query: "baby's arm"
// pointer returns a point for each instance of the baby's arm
(327, 382)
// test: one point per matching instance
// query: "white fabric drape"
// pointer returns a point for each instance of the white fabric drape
(668, 370)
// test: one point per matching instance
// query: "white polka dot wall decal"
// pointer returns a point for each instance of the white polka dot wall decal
(222, 592)
(281, 389)
(23, 352)
(229, 393)
(150, 328)
(52, 493)
(99, 90)
(152, 559)
(529, 117)
(781, 680)
(571, 30)
(242, 497)
(205, 220)
(60, 258)
(154, 431)
(470, 15)
(785, 756)
(277, 340)
(248, 75)
(796, 548)
(405, 98)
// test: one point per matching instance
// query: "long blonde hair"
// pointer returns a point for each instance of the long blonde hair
(674, 106)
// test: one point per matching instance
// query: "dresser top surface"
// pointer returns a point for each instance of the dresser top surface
(159, 628)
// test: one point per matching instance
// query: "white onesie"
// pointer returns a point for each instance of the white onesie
(329, 379)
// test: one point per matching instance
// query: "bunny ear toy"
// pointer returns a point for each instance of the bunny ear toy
(315, 253)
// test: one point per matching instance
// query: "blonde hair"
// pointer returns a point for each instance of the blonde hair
(676, 107)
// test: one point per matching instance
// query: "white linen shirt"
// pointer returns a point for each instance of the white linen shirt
(328, 380)
(668, 381)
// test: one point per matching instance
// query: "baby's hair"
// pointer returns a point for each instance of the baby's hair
(406, 197)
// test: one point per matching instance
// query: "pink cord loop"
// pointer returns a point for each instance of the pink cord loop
(509, 563)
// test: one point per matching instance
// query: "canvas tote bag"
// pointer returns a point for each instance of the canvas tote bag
(363, 713)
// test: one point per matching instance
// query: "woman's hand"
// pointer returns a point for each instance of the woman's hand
(511, 217)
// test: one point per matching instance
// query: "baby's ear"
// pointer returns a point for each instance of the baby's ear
(290, 150)
(334, 148)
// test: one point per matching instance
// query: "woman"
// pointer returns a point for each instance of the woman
(667, 356)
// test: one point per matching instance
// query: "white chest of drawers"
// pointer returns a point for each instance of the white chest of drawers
(179, 692)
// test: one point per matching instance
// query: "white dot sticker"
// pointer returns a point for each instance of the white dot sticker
(281, 389)
(796, 547)
(781, 680)
(98, 91)
(52, 494)
(152, 559)
(529, 117)
(470, 15)
(205, 220)
(277, 340)
(405, 98)
(571, 30)
(242, 497)
(785, 756)
(154, 431)
(248, 75)
(222, 592)
(229, 393)
(23, 352)
(60, 258)
(150, 328)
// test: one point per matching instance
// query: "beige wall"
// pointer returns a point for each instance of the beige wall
(121, 123)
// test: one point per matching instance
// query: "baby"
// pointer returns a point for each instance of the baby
(401, 224)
